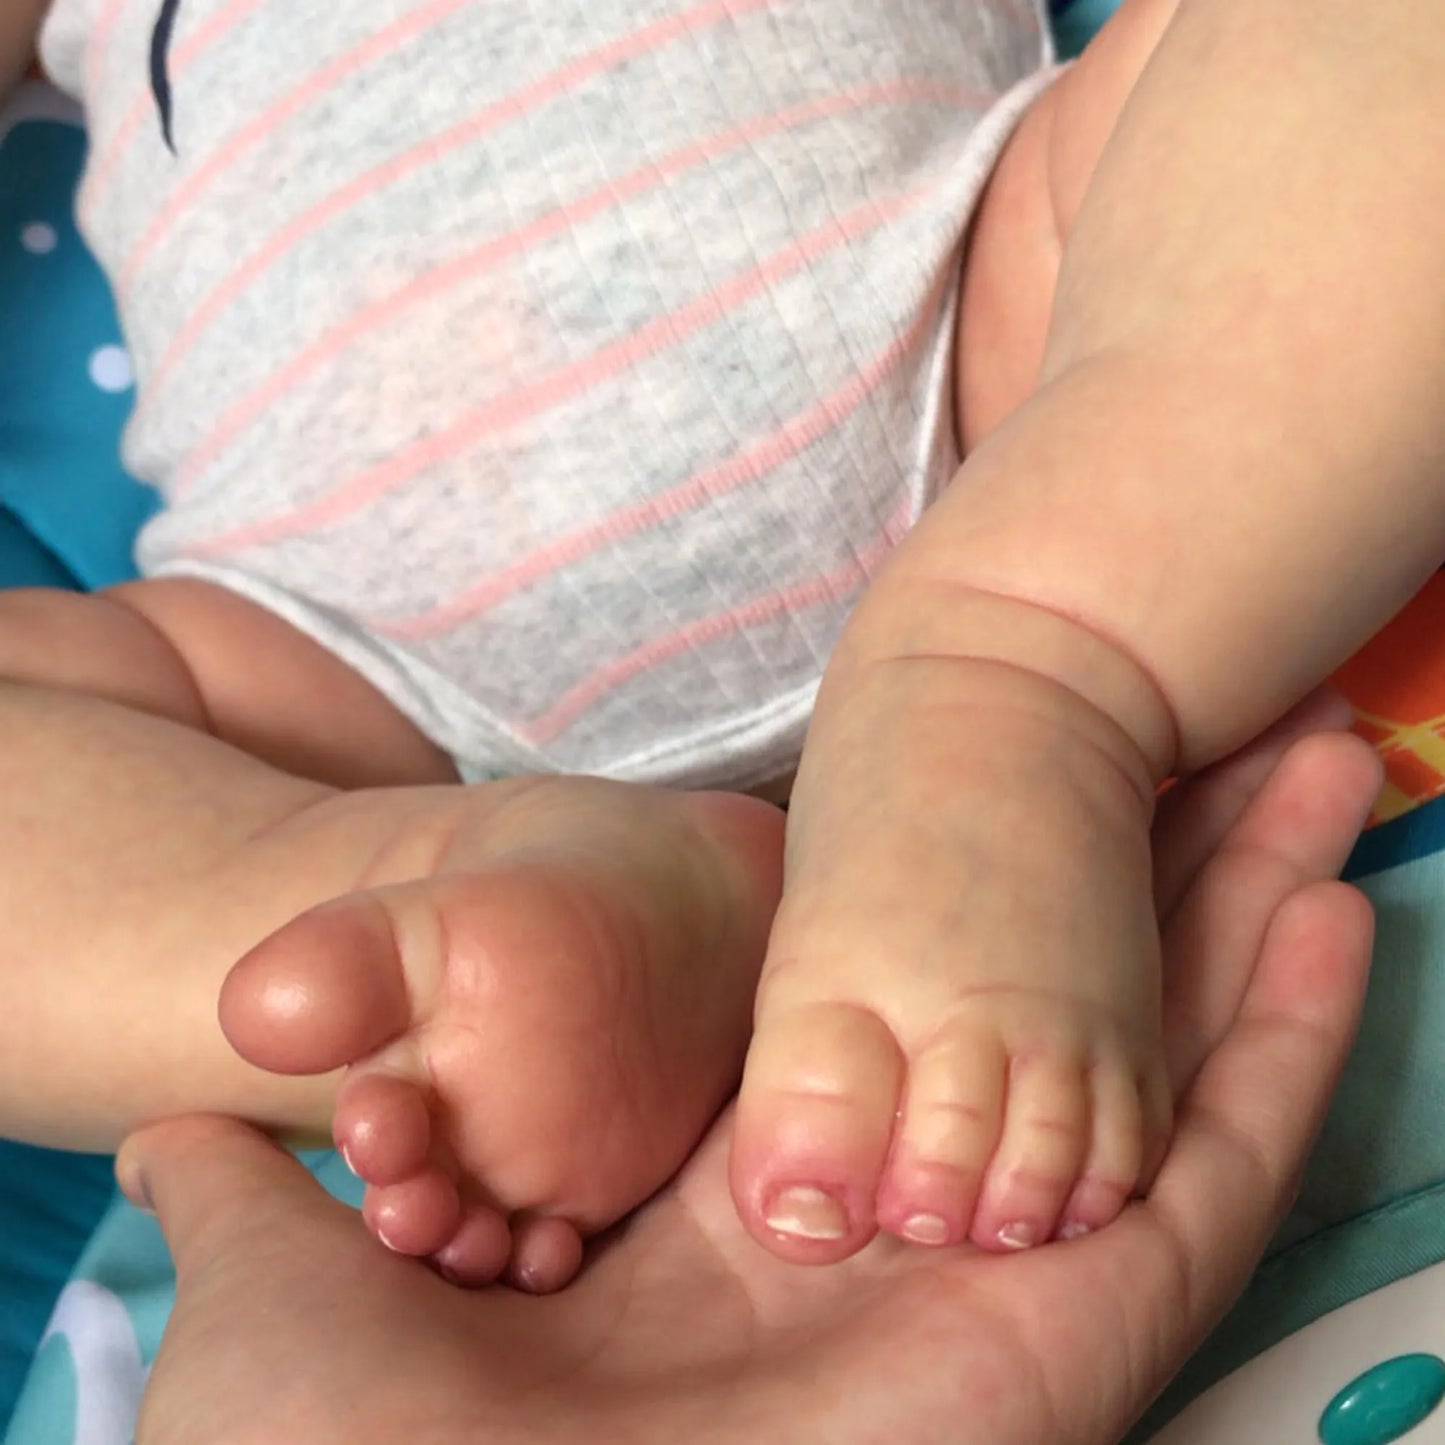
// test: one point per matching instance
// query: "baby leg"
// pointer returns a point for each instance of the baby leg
(546, 985)
(129, 883)
(129, 873)
(132, 871)
(958, 1027)
(598, 944)
(1027, 211)
(199, 655)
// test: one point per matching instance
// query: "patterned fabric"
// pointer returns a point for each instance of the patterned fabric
(65, 378)
(568, 368)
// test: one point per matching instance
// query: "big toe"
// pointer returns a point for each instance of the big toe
(321, 992)
(813, 1129)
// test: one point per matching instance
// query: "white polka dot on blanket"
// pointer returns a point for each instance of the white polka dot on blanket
(110, 369)
(39, 238)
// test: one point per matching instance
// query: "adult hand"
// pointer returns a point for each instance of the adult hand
(291, 1324)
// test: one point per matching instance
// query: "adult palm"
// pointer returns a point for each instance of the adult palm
(292, 1325)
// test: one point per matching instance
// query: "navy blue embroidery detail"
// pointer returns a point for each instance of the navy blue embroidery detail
(160, 72)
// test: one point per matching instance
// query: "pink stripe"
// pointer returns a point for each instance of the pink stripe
(100, 172)
(794, 437)
(501, 248)
(428, 152)
(1023, 11)
(826, 588)
(98, 46)
(561, 385)
(186, 195)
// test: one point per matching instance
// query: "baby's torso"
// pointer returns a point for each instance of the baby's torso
(567, 366)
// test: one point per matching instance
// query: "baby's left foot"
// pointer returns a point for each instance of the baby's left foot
(536, 1029)
(958, 1025)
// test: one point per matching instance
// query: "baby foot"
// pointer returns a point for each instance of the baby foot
(537, 1032)
(958, 1031)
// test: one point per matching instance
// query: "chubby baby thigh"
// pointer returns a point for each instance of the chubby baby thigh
(1026, 214)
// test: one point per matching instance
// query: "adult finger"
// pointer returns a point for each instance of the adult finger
(1242, 1135)
(1193, 817)
(214, 1182)
(1298, 829)
(1246, 1125)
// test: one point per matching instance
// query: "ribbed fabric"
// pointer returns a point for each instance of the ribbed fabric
(567, 366)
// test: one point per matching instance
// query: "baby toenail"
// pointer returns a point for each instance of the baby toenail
(925, 1229)
(1074, 1229)
(807, 1213)
(1018, 1235)
(346, 1158)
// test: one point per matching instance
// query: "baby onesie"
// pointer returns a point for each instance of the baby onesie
(568, 367)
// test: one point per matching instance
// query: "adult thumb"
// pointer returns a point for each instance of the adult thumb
(214, 1181)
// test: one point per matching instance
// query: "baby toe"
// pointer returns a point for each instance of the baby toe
(813, 1130)
(946, 1135)
(1115, 1157)
(322, 992)
(418, 1216)
(382, 1127)
(478, 1252)
(1040, 1150)
(546, 1255)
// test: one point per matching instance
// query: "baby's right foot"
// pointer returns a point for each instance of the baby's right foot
(538, 1031)
(958, 1029)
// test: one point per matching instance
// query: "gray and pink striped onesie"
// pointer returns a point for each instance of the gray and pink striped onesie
(567, 367)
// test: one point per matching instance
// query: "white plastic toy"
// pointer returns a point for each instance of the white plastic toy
(1379, 1361)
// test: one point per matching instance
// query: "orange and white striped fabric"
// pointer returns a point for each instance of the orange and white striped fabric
(566, 366)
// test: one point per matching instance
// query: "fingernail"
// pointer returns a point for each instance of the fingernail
(925, 1229)
(803, 1212)
(1018, 1235)
(1074, 1229)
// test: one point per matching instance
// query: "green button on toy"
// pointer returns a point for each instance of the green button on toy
(1384, 1403)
